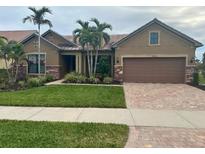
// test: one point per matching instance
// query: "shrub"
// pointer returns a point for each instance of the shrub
(42, 79)
(70, 78)
(3, 76)
(3, 73)
(22, 84)
(195, 80)
(107, 80)
(104, 65)
(49, 78)
(203, 73)
(3, 79)
(81, 79)
(92, 79)
(34, 82)
(4, 86)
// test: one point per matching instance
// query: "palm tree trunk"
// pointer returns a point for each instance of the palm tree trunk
(7, 69)
(88, 59)
(17, 70)
(91, 62)
(39, 49)
(12, 69)
(96, 61)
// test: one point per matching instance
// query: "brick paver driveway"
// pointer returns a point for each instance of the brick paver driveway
(163, 137)
(164, 96)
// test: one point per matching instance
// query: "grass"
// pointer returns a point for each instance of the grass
(201, 79)
(29, 134)
(66, 96)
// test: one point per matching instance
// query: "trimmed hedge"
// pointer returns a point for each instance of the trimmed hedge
(195, 80)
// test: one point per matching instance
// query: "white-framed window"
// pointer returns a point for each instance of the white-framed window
(154, 38)
(33, 63)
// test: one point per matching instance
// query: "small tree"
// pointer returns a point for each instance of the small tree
(92, 39)
(38, 18)
(84, 37)
(102, 39)
(12, 53)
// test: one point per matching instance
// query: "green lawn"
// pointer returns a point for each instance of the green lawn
(201, 79)
(60, 135)
(66, 96)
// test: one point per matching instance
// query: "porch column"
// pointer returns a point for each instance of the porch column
(78, 60)
(80, 63)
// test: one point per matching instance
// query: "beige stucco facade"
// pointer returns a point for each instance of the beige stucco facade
(169, 45)
(2, 64)
(52, 55)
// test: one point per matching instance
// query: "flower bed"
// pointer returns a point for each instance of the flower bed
(79, 78)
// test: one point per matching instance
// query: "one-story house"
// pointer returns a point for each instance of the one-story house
(155, 53)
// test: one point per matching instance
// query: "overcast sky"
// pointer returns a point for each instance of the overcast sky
(189, 20)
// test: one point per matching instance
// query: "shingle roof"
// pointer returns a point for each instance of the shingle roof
(36, 35)
(52, 31)
(17, 35)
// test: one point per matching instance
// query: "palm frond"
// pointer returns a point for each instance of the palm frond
(76, 31)
(38, 16)
(47, 22)
(105, 26)
(75, 37)
(33, 9)
(106, 37)
(96, 21)
(45, 10)
(28, 18)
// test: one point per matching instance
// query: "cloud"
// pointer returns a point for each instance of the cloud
(189, 20)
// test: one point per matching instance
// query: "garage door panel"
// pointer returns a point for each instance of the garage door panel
(154, 70)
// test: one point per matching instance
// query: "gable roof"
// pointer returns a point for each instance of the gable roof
(36, 35)
(155, 20)
(17, 35)
(51, 31)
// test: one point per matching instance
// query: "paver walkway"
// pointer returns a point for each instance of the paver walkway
(130, 117)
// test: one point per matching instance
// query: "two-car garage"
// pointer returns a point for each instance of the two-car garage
(154, 69)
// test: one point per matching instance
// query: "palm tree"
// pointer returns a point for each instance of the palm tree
(84, 37)
(38, 18)
(103, 37)
(13, 52)
(17, 54)
(4, 52)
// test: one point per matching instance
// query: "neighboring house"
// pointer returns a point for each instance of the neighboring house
(153, 53)
(18, 36)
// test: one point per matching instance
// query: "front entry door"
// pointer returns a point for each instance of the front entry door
(70, 63)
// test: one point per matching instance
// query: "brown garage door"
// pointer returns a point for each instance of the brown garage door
(154, 70)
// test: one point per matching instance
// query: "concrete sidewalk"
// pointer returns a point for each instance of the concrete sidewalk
(130, 117)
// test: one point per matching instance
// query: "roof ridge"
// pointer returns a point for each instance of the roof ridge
(15, 30)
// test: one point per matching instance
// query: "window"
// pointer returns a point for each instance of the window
(33, 63)
(154, 38)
